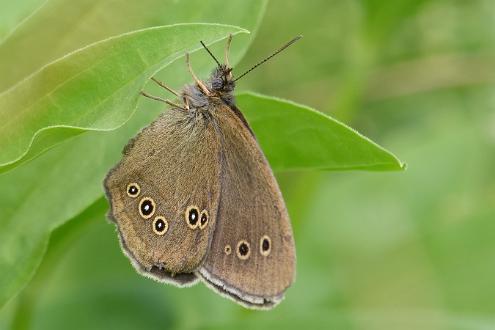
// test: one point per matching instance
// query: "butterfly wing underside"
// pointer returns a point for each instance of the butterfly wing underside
(252, 256)
(174, 162)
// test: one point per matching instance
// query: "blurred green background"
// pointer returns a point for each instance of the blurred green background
(405, 250)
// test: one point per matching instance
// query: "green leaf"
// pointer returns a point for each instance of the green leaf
(13, 13)
(296, 137)
(94, 88)
(61, 240)
(60, 27)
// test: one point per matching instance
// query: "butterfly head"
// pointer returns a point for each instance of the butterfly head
(221, 82)
(218, 88)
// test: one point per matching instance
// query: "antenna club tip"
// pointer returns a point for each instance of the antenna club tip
(296, 38)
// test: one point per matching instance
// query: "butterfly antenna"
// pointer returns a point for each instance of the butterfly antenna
(227, 50)
(269, 57)
(218, 63)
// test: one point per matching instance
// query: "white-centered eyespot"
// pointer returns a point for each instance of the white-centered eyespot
(203, 219)
(133, 190)
(227, 249)
(243, 250)
(192, 216)
(265, 245)
(147, 207)
(160, 225)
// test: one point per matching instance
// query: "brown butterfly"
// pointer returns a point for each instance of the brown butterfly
(194, 197)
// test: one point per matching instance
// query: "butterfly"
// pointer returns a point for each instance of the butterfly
(194, 198)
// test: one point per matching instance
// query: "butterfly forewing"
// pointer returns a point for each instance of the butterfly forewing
(252, 256)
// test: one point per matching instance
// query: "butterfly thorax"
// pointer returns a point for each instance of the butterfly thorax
(220, 85)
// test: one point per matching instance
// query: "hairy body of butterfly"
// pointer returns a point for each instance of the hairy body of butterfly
(194, 198)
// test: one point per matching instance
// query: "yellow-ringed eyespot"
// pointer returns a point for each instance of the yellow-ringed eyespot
(243, 250)
(147, 207)
(192, 216)
(203, 219)
(227, 249)
(133, 190)
(265, 245)
(160, 225)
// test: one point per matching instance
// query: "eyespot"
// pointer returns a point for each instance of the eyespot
(192, 216)
(160, 225)
(133, 190)
(203, 219)
(227, 249)
(243, 250)
(146, 207)
(265, 245)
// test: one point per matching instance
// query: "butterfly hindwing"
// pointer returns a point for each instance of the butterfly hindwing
(252, 256)
(172, 166)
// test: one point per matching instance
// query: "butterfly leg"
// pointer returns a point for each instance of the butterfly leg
(186, 102)
(161, 84)
(156, 98)
(198, 82)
